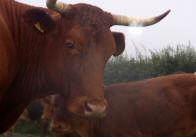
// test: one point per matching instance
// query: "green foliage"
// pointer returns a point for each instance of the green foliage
(163, 62)
(170, 60)
(27, 128)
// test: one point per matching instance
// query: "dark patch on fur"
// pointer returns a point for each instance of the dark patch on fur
(35, 110)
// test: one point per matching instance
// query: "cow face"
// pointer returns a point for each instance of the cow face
(59, 124)
(63, 122)
(58, 117)
(79, 43)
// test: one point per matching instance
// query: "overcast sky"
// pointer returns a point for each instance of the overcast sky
(177, 28)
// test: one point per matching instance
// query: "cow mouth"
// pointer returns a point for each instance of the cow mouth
(62, 131)
(94, 115)
(87, 107)
(89, 114)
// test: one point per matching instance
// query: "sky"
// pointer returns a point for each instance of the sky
(177, 28)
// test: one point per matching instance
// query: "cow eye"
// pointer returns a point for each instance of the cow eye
(69, 45)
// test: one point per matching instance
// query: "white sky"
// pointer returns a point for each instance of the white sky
(177, 28)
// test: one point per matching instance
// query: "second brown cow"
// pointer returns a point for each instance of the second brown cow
(157, 107)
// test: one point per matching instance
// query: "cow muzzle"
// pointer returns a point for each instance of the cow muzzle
(94, 109)
(89, 108)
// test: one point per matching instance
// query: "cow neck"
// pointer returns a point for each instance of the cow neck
(30, 79)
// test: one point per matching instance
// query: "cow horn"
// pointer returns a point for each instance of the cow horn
(57, 6)
(137, 22)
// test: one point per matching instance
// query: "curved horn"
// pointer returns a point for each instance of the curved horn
(57, 6)
(137, 22)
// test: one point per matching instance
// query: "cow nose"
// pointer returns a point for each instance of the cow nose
(95, 109)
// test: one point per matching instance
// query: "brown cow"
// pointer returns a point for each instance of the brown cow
(61, 50)
(157, 107)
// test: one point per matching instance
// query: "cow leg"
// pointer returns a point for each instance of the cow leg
(12, 132)
(44, 126)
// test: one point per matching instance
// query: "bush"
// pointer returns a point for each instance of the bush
(163, 62)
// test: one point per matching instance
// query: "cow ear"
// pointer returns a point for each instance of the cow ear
(120, 43)
(39, 20)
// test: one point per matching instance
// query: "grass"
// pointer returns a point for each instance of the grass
(27, 129)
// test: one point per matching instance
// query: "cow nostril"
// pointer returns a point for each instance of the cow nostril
(87, 106)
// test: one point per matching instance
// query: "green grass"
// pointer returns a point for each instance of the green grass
(27, 129)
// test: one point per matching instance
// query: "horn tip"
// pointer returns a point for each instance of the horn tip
(163, 15)
(168, 11)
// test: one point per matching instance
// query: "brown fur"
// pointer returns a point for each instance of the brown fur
(157, 107)
(35, 64)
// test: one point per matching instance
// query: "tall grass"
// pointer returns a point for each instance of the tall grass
(159, 62)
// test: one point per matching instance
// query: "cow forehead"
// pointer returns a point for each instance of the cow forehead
(88, 15)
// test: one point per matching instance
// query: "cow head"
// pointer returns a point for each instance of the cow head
(79, 45)
(64, 123)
